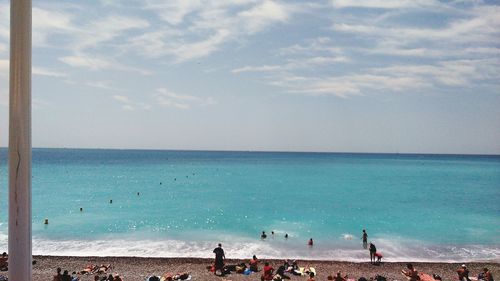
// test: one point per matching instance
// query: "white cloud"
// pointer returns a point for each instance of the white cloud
(91, 63)
(263, 68)
(165, 97)
(349, 85)
(449, 73)
(123, 99)
(106, 85)
(42, 71)
(129, 105)
(321, 45)
(263, 15)
(197, 29)
(383, 4)
(173, 12)
(106, 29)
(95, 63)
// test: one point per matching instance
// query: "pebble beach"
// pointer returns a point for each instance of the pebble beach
(138, 268)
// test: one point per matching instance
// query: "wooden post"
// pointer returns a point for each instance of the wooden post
(20, 141)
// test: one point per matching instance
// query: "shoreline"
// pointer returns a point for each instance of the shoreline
(138, 268)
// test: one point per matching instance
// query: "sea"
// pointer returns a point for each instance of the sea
(162, 203)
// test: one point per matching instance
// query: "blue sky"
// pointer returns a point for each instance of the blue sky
(418, 76)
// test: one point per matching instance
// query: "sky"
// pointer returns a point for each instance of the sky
(396, 76)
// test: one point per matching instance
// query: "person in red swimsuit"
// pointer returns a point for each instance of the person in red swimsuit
(268, 272)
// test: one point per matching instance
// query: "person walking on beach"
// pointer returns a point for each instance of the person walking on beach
(412, 273)
(219, 259)
(365, 239)
(463, 273)
(373, 250)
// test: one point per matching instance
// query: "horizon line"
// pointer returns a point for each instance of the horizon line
(266, 151)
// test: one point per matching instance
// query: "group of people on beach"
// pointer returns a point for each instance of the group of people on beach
(463, 274)
(64, 276)
(87, 270)
(268, 272)
(375, 257)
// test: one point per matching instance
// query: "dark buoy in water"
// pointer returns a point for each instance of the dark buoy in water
(110, 201)
(46, 221)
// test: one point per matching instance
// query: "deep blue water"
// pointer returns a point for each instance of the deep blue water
(418, 207)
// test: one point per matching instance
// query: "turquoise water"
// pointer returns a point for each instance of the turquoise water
(414, 207)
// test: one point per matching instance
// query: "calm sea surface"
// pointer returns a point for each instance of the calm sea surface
(414, 207)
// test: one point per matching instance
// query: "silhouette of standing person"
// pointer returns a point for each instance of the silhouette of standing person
(373, 250)
(365, 239)
(219, 259)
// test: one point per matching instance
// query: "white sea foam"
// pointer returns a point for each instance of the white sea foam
(393, 250)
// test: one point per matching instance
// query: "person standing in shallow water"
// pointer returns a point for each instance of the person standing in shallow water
(373, 250)
(219, 259)
(365, 239)
(263, 235)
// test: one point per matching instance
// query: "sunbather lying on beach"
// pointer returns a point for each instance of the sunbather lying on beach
(89, 269)
(169, 276)
(103, 268)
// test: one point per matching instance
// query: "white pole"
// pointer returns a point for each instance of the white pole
(20, 141)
